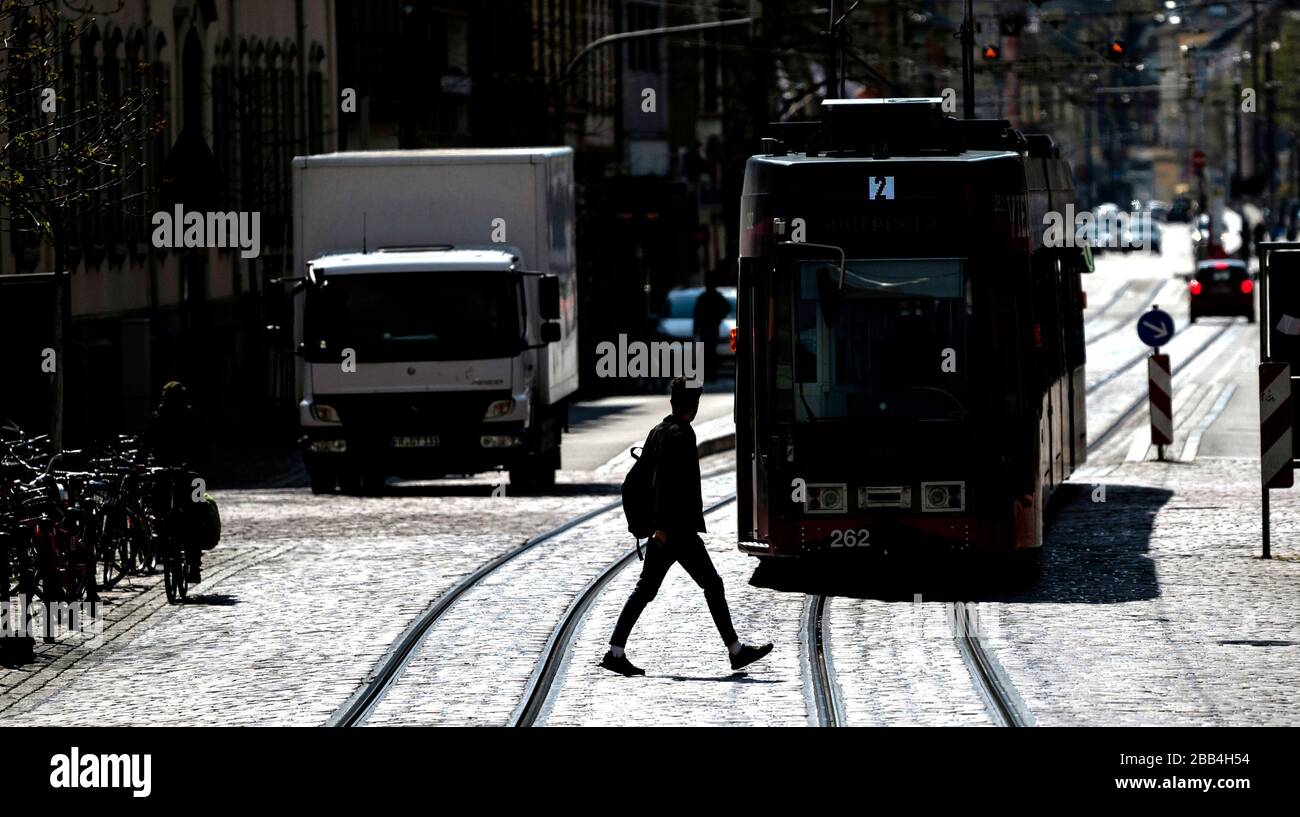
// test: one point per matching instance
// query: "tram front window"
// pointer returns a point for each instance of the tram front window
(889, 343)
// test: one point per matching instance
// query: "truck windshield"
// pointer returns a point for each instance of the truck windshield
(414, 316)
(888, 344)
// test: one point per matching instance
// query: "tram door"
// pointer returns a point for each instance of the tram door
(754, 423)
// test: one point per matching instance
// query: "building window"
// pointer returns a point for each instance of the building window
(251, 134)
(224, 125)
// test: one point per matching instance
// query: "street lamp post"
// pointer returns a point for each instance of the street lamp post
(610, 39)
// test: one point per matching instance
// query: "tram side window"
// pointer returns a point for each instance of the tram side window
(1047, 308)
(1074, 343)
(805, 360)
(783, 378)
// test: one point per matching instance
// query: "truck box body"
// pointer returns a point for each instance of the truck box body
(366, 218)
(408, 198)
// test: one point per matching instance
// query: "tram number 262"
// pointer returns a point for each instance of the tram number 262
(850, 538)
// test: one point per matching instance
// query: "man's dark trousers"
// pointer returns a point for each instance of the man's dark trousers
(688, 549)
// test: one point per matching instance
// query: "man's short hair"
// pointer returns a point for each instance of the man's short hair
(684, 395)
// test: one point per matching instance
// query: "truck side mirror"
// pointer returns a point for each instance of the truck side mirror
(548, 292)
(550, 332)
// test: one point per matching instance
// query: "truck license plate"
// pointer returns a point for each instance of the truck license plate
(416, 442)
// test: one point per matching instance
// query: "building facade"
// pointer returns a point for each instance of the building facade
(238, 88)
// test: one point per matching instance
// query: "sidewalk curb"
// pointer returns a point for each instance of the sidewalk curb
(712, 437)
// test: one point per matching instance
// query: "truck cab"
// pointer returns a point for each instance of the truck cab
(423, 362)
(434, 313)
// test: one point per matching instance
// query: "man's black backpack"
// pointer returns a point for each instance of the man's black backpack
(639, 491)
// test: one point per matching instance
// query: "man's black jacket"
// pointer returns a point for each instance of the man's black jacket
(678, 504)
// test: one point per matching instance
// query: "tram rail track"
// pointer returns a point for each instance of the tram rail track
(385, 674)
(1122, 322)
(1122, 419)
(541, 684)
(1000, 697)
(828, 704)
(1114, 299)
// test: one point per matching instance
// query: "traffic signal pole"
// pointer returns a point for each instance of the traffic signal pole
(968, 61)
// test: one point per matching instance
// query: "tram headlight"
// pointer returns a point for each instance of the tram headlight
(943, 496)
(826, 498)
(325, 414)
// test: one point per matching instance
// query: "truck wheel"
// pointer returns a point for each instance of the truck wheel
(350, 483)
(322, 482)
(372, 483)
(532, 476)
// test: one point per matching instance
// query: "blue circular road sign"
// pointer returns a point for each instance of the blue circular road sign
(1156, 328)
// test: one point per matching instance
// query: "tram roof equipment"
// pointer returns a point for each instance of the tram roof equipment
(886, 128)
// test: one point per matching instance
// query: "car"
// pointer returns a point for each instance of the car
(1221, 287)
(677, 321)
(1159, 210)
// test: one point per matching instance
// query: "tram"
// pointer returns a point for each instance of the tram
(909, 353)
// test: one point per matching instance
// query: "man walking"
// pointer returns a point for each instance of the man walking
(710, 310)
(678, 519)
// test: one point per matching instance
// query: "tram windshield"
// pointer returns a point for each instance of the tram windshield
(888, 343)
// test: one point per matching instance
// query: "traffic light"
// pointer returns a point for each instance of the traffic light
(991, 53)
(1116, 50)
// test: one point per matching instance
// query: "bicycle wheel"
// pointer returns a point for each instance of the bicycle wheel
(114, 548)
(146, 543)
(113, 562)
(135, 542)
(175, 577)
(81, 567)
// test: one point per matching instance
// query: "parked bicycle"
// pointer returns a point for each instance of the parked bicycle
(75, 522)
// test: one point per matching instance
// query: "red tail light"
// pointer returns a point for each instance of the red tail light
(1247, 287)
(733, 339)
(1194, 287)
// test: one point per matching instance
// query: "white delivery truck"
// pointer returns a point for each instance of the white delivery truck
(435, 313)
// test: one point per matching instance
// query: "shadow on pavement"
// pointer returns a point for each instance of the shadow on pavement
(734, 678)
(485, 490)
(583, 414)
(1093, 553)
(213, 599)
(235, 467)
